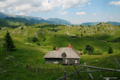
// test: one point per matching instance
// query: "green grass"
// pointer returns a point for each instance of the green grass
(29, 53)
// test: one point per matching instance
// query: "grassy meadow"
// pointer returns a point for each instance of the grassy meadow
(28, 55)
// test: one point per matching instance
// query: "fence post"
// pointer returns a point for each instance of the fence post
(64, 74)
(117, 62)
(36, 69)
(76, 70)
(58, 68)
(89, 73)
(47, 70)
(71, 76)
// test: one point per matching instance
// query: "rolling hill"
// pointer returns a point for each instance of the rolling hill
(27, 62)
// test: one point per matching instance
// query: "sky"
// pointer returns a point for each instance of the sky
(75, 11)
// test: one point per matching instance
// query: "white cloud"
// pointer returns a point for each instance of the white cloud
(2, 10)
(111, 17)
(80, 13)
(81, 5)
(39, 5)
(72, 3)
(60, 12)
(95, 14)
(21, 13)
(115, 2)
(89, 3)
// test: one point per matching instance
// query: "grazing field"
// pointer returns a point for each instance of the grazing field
(22, 63)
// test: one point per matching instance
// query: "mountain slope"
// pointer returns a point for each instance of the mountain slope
(32, 19)
(95, 23)
(59, 21)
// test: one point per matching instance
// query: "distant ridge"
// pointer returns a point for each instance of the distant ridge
(59, 21)
(95, 23)
(32, 20)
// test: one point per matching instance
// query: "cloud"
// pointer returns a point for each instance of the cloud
(89, 3)
(2, 10)
(60, 12)
(73, 3)
(115, 2)
(106, 15)
(80, 13)
(21, 13)
(111, 17)
(81, 5)
(95, 14)
(39, 5)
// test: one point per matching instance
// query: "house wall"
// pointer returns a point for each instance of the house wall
(75, 61)
(67, 61)
(52, 60)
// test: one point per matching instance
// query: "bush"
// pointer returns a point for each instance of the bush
(110, 50)
(97, 53)
(81, 35)
(21, 28)
(38, 44)
(80, 49)
(44, 39)
(54, 48)
(89, 49)
(28, 37)
(34, 39)
(76, 35)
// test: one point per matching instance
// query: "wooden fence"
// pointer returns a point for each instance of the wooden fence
(89, 72)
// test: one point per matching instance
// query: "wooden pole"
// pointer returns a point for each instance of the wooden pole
(89, 72)
(101, 68)
(6, 49)
(58, 68)
(65, 72)
(71, 73)
(117, 62)
(76, 70)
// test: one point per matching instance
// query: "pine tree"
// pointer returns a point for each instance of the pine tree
(8, 42)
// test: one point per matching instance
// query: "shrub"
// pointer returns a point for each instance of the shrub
(97, 53)
(110, 50)
(38, 44)
(54, 48)
(21, 28)
(55, 35)
(34, 39)
(76, 34)
(89, 49)
(81, 35)
(44, 39)
(80, 49)
(28, 37)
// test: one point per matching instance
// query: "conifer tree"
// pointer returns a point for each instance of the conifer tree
(9, 42)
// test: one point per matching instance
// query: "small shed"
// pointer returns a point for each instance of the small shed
(66, 55)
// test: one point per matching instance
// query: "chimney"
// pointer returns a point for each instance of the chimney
(56, 48)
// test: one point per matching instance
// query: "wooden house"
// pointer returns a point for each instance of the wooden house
(66, 55)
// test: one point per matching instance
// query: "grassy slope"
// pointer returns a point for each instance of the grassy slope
(28, 53)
